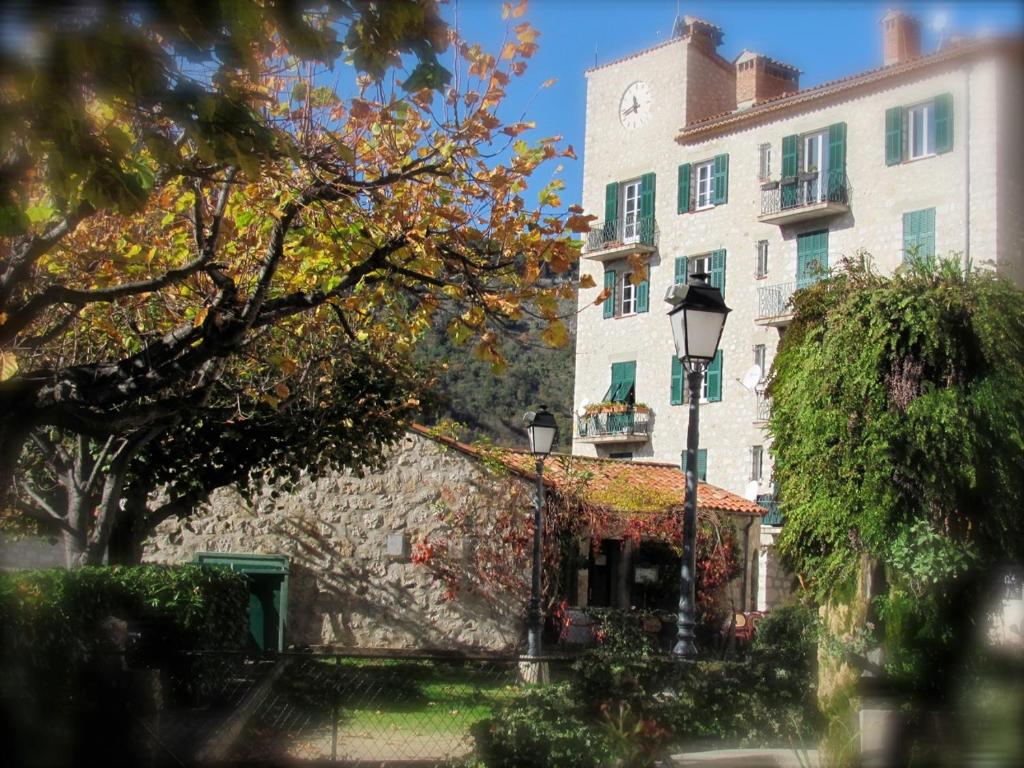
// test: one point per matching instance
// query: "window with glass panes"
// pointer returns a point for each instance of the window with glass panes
(756, 462)
(761, 259)
(705, 188)
(764, 162)
(628, 294)
(760, 358)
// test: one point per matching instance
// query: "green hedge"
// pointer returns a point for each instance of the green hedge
(57, 614)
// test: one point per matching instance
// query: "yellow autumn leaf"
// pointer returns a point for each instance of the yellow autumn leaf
(587, 281)
(556, 334)
(8, 365)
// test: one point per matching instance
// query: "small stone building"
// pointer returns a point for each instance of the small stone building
(354, 556)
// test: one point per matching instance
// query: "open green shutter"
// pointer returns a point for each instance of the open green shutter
(623, 380)
(646, 228)
(789, 144)
(714, 374)
(677, 381)
(894, 136)
(835, 188)
(611, 203)
(717, 276)
(702, 464)
(837, 147)
(683, 191)
(681, 274)
(609, 285)
(943, 123)
(720, 179)
(642, 289)
(811, 257)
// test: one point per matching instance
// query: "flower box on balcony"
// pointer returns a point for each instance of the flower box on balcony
(608, 407)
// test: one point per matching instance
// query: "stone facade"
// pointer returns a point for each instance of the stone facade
(976, 190)
(345, 588)
(774, 582)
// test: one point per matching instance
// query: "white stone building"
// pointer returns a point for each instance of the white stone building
(696, 163)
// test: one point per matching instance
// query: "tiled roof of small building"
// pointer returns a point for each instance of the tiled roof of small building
(661, 485)
(725, 120)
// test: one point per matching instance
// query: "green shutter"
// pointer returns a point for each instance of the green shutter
(702, 464)
(678, 381)
(811, 257)
(642, 289)
(943, 123)
(837, 147)
(683, 191)
(720, 180)
(919, 234)
(681, 269)
(609, 285)
(623, 381)
(714, 374)
(835, 189)
(717, 276)
(894, 136)
(611, 203)
(646, 223)
(789, 145)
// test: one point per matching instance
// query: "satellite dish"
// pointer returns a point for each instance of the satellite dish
(750, 494)
(582, 410)
(752, 377)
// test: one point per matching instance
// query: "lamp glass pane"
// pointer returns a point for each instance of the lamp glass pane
(541, 439)
(703, 330)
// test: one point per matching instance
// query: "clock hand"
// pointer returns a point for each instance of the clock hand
(630, 109)
(636, 105)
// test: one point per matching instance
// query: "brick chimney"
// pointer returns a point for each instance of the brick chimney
(704, 34)
(759, 78)
(901, 38)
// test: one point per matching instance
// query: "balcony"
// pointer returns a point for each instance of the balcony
(628, 426)
(773, 306)
(773, 515)
(805, 197)
(619, 239)
(764, 407)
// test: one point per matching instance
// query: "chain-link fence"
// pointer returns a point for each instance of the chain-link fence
(220, 708)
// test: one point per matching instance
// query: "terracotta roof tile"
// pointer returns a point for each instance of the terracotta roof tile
(661, 485)
(722, 121)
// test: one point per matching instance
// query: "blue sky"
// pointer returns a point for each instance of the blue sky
(577, 33)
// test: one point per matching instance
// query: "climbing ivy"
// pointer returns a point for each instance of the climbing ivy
(898, 435)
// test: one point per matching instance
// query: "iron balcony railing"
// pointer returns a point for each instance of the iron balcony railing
(641, 230)
(774, 514)
(806, 189)
(764, 406)
(607, 424)
(773, 300)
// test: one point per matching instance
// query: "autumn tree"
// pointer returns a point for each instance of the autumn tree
(195, 196)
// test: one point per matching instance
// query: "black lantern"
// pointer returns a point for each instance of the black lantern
(697, 319)
(541, 428)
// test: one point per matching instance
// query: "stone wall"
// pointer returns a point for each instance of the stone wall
(775, 583)
(344, 588)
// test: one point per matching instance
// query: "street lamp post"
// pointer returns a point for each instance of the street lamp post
(541, 428)
(697, 318)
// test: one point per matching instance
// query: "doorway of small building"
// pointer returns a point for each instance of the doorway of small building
(267, 576)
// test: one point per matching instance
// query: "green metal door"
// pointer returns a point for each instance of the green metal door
(268, 593)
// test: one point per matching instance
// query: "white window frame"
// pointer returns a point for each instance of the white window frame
(703, 260)
(757, 463)
(926, 111)
(764, 162)
(703, 387)
(630, 218)
(628, 295)
(815, 157)
(761, 259)
(705, 173)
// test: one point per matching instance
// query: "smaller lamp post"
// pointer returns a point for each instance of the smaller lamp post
(541, 428)
(697, 318)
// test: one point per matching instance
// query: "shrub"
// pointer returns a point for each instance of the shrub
(542, 727)
(54, 616)
(789, 636)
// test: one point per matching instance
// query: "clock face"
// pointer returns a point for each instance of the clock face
(635, 106)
